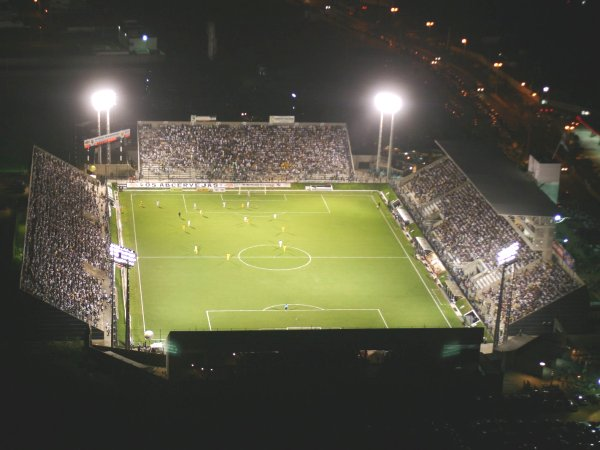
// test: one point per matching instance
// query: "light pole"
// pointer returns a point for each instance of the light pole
(379, 143)
(505, 257)
(103, 100)
(387, 103)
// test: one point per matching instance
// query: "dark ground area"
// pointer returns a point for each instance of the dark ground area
(57, 393)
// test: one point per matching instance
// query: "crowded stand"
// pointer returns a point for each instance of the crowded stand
(66, 260)
(443, 177)
(244, 152)
(467, 234)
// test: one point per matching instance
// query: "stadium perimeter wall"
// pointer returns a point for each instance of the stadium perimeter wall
(302, 354)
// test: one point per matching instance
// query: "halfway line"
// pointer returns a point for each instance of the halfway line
(273, 257)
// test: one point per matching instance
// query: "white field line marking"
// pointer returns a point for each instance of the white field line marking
(437, 298)
(285, 193)
(283, 311)
(274, 257)
(184, 204)
(301, 328)
(208, 317)
(326, 205)
(292, 304)
(293, 310)
(413, 265)
(258, 200)
(382, 318)
(262, 213)
(139, 272)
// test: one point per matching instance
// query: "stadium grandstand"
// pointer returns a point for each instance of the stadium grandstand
(470, 206)
(244, 152)
(65, 261)
(467, 205)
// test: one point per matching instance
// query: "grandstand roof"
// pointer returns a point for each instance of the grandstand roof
(326, 340)
(508, 190)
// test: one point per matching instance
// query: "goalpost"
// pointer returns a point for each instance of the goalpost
(248, 191)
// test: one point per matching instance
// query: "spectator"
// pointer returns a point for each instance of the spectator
(66, 260)
(245, 152)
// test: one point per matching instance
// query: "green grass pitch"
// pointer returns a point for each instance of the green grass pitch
(342, 263)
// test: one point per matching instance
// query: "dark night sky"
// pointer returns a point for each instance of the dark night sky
(553, 41)
(550, 41)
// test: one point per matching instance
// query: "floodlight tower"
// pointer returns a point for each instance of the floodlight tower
(504, 258)
(387, 103)
(103, 100)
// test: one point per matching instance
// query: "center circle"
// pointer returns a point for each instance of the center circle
(271, 257)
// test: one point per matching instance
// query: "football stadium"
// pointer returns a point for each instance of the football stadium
(252, 237)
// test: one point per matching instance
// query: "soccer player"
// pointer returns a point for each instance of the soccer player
(285, 306)
(280, 243)
(228, 255)
(245, 219)
(194, 206)
(284, 247)
(200, 212)
(158, 203)
(283, 229)
(242, 206)
(196, 249)
(248, 204)
(179, 214)
(224, 204)
(183, 227)
(189, 223)
(275, 216)
(141, 203)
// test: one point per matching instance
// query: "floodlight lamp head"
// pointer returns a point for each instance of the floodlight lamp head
(104, 99)
(388, 103)
(508, 254)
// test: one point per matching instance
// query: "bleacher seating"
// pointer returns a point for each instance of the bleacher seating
(244, 152)
(66, 261)
(467, 234)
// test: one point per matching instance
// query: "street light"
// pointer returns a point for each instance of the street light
(504, 258)
(558, 218)
(387, 103)
(103, 100)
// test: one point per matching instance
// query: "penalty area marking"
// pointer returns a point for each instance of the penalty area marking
(300, 328)
(283, 311)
